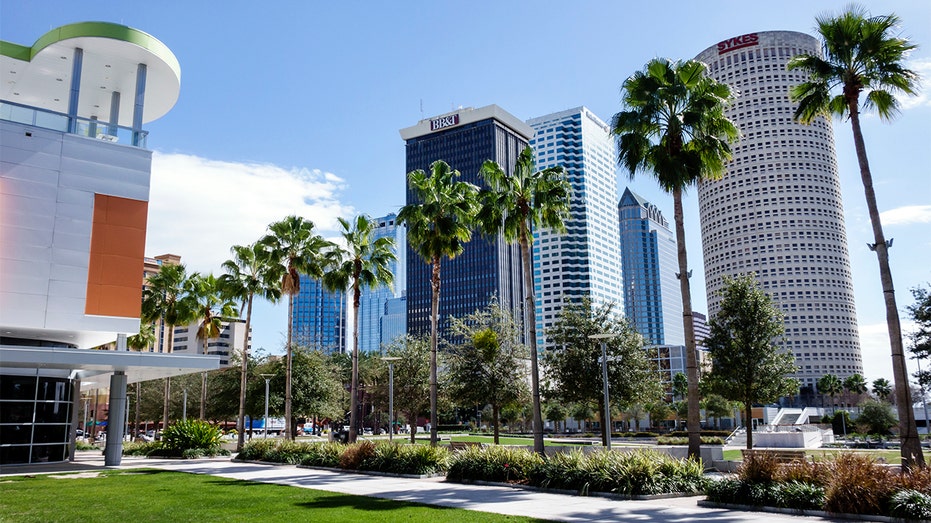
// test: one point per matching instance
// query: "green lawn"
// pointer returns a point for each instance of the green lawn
(143, 495)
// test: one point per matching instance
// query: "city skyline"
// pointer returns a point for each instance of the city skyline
(302, 115)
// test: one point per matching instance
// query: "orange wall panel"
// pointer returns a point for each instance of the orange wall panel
(117, 252)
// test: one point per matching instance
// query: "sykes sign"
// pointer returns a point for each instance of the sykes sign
(443, 122)
(739, 42)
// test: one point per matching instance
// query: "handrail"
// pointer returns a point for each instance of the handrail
(55, 121)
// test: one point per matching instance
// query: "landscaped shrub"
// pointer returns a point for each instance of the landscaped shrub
(139, 448)
(493, 463)
(915, 479)
(758, 467)
(407, 459)
(257, 449)
(812, 472)
(799, 495)
(290, 452)
(83, 445)
(189, 439)
(355, 454)
(642, 472)
(910, 505)
(858, 485)
(706, 433)
(563, 470)
(792, 494)
(705, 440)
(323, 454)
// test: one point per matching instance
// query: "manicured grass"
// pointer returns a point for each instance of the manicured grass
(142, 495)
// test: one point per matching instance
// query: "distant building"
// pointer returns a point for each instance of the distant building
(373, 302)
(393, 322)
(231, 340)
(778, 212)
(585, 261)
(652, 296)
(488, 267)
(319, 318)
(700, 326)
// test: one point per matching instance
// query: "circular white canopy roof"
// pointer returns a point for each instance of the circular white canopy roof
(40, 76)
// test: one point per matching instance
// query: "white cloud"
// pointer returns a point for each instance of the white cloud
(907, 215)
(877, 356)
(921, 66)
(199, 208)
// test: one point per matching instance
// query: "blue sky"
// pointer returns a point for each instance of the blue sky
(295, 107)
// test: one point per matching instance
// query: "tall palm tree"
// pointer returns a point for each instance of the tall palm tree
(863, 56)
(831, 385)
(141, 341)
(674, 128)
(247, 273)
(364, 262)
(210, 308)
(882, 388)
(165, 300)
(856, 385)
(513, 205)
(439, 224)
(295, 249)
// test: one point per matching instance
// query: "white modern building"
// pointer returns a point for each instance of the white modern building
(778, 211)
(231, 340)
(74, 190)
(586, 259)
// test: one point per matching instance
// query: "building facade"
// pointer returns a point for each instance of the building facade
(585, 261)
(373, 302)
(652, 296)
(778, 211)
(488, 267)
(319, 319)
(74, 189)
(231, 340)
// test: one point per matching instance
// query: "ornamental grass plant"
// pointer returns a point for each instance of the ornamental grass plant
(364, 455)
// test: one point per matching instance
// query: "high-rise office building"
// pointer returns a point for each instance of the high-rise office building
(488, 267)
(778, 212)
(320, 318)
(585, 261)
(393, 323)
(372, 302)
(652, 297)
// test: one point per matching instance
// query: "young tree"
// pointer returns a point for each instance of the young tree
(855, 384)
(717, 407)
(831, 385)
(920, 312)
(488, 368)
(876, 418)
(315, 387)
(862, 55)
(746, 364)
(674, 128)
(362, 263)
(248, 273)
(294, 249)
(573, 362)
(411, 377)
(882, 388)
(659, 411)
(513, 205)
(636, 411)
(439, 224)
(556, 412)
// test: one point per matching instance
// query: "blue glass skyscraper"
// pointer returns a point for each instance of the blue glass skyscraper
(585, 260)
(318, 319)
(652, 298)
(372, 302)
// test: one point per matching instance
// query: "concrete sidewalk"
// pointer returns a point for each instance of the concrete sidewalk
(498, 499)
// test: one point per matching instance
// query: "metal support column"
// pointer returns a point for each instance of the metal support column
(76, 66)
(114, 113)
(139, 104)
(114, 449)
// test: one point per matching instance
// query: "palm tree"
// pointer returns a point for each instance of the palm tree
(855, 384)
(295, 249)
(439, 225)
(882, 388)
(674, 128)
(210, 307)
(862, 56)
(141, 341)
(164, 299)
(831, 385)
(364, 262)
(247, 273)
(513, 205)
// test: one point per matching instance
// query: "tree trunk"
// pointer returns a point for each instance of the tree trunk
(495, 416)
(413, 416)
(243, 374)
(434, 314)
(354, 386)
(908, 429)
(167, 405)
(531, 324)
(748, 408)
(138, 410)
(691, 356)
(288, 430)
(203, 390)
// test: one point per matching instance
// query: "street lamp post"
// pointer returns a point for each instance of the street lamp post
(268, 378)
(184, 407)
(604, 377)
(390, 360)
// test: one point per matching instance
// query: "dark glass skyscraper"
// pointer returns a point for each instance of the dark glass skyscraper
(318, 320)
(464, 139)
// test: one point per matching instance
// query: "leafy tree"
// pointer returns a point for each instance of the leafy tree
(489, 367)
(840, 422)
(556, 412)
(248, 273)
(920, 312)
(636, 411)
(210, 306)
(294, 249)
(582, 411)
(573, 359)
(411, 377)
(439, 224)
(717, 407)
(316, 388)
(882, 388)
(164, 299)
(876, 418)
(513, 205)
(746, 364)
(658, 411)
(855, 384)
(831, 385)
(680, 385)
(363, 263)
(862, 55)
(674, 127)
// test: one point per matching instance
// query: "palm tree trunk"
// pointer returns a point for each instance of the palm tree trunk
(241, 421)
(495, 415)
(138, 409)
(530, 321)
(693, 420)
(167, 405)
(748, 408)
(908, 429)
(287, 375)
(203, 392)
(434, 314)
(354, 387)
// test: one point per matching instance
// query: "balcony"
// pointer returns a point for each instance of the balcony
(27, 115)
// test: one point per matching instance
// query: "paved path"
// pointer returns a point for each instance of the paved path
(498, 499)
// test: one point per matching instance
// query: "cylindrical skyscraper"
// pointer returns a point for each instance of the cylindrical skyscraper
(778, 211)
